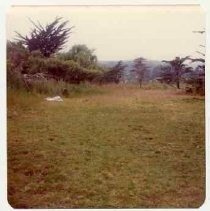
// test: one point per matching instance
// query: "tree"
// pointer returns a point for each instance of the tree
(81, 54)
(139, 69)
(166, 74)
(197, 79)
(47, 39)
(177, 69)
(115, 74)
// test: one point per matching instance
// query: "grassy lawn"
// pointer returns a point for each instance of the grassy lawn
(122, 148)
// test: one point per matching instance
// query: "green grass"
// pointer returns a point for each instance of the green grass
(52, 87)
(124, 148)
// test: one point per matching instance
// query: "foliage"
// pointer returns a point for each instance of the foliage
(166, 74)
(21, 63)
(53, 87)
(35, 63)
(175, 70)
(17, 55)
(69, 71)
(82, 55)
(139, 69)
(47, 39)
(114, 75)
(21, 60)
(197, 79)
(14, 79)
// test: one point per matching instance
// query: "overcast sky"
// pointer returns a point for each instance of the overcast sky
(121, 32)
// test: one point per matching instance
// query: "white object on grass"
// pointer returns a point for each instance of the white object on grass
(56, 98)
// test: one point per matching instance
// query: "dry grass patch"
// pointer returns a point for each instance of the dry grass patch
(124, 148)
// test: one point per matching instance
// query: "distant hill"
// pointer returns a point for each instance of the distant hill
(154, 68)
(108, 64)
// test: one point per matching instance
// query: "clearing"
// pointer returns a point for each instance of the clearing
(122, 148)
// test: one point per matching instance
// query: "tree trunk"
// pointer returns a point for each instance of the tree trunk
(178, 84)
(140, 83)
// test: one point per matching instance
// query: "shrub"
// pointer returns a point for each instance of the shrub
(35, 65)
(14, 78)
(196, 83)
(68, 71)
(34, 72)
(56, 67)
(17, 56)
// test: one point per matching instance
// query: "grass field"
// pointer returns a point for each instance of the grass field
(121, 148)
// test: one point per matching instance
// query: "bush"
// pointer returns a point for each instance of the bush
(35, 65)
(56, 67)
(17, 56)
(68, 71)
(14, 78)
(35, 73)
(20, 60)
(195, 82)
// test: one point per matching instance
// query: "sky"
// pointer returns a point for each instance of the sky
(121, 32)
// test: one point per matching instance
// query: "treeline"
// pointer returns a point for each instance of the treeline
(76, 66)
(35, 57)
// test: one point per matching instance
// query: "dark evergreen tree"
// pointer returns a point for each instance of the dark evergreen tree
(47, 39)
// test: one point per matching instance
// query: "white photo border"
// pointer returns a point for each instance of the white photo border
(5, 4)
